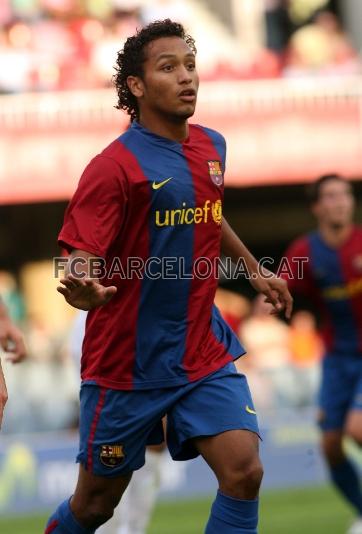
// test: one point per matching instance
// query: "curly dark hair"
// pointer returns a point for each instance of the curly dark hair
(131, 58)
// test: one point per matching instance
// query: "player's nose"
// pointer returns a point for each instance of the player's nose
(185, 75)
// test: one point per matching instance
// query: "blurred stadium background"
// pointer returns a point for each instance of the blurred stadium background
(282, 80)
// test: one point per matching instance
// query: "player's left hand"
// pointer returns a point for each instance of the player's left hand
(275, 289)
(11, 341)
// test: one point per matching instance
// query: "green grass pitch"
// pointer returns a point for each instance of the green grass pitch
(299, 511)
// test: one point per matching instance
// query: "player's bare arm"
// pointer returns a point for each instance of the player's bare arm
(264, 281)
(3, 394)
(11, 339)
(84, 292)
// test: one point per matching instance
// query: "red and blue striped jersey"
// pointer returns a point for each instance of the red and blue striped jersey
(332, 279)
(145, 199)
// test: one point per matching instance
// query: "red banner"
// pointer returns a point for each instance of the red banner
(277, 132)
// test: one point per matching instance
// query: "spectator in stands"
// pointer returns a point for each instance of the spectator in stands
(306, 349)
(11, 296)
(322, 48)
(278, 25)
(159, 9)
(105, 49)
(16, 60)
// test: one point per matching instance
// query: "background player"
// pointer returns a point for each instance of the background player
(332, 279)
(156, 345)
(12, 343)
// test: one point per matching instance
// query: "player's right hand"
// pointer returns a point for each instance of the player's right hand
(85, 293)
(276, 291)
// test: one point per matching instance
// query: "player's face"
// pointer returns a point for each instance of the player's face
(170, 81)
(335, 205)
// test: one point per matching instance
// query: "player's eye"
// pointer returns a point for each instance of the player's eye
(167, 68)
(191, 66)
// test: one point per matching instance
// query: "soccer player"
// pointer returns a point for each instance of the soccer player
(332, 279)
(154, 342)
(11, 341)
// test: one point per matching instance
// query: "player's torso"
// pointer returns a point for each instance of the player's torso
(337, 274)
(162, 328)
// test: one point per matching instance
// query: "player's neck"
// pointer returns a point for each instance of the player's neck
(173, 130)
(335, 237)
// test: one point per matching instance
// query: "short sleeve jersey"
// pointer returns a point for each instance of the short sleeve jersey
(332, 279)
(152, 209)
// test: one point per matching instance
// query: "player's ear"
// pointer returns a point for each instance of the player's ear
(135, 85)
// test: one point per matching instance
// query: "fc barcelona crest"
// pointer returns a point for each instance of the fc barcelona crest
(215, 171)
(111, 455)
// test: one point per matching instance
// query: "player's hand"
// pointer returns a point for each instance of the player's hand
(3, 395)
(275, 290)
(11, 341)
(85, 293)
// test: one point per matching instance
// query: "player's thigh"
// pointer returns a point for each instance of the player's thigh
(353, 426)
(98, 492)
(334, 394)
(213, 405)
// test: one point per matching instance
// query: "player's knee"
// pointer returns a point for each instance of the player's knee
(94, 512)
(243, 481)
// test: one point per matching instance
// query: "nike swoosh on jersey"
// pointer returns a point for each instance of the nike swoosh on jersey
(157, 185)
(249, 410)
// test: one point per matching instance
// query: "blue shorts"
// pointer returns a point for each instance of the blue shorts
(340, 391)
(116, 425)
